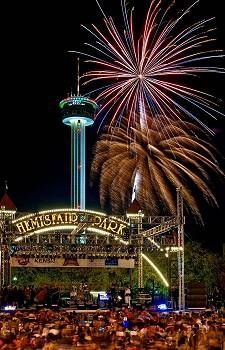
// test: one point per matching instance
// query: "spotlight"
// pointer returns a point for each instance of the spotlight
(162, 307)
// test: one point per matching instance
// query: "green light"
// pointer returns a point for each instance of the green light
(77, 100)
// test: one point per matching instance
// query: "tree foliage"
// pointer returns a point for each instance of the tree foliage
(204, 266)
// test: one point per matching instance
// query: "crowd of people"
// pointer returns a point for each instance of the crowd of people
(126, 328)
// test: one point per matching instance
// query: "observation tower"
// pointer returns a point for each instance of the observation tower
(78, 112)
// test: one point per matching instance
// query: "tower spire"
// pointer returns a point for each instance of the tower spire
(78, 76)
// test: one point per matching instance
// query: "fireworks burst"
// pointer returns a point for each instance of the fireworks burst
(155, 164)
(151, 70)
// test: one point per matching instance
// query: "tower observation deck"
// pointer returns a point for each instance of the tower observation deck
(78, 112)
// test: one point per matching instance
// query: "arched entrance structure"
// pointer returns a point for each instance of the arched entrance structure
(70, 235)
(84, 238)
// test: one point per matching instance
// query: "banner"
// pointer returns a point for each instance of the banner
(71, 262)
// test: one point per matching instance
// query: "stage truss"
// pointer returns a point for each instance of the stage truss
(165, 233)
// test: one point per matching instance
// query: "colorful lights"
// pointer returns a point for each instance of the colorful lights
(78, 101)
(150, 70)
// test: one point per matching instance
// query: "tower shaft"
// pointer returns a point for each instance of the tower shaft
(78, 160)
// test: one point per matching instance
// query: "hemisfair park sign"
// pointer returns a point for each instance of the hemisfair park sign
(70, 220)
(64, 219)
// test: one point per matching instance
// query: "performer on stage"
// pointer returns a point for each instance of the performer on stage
(127, 295)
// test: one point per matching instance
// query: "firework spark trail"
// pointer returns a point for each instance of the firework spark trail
(134, 73)
(162, 163)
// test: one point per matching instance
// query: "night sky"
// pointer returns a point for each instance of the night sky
(37, 72)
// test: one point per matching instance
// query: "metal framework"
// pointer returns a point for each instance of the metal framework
(140, 249)
(180, 254)
(146, 234)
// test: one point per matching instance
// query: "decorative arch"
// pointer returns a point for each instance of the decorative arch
(76, 220)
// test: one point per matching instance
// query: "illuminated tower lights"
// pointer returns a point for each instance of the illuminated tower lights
(78, 112)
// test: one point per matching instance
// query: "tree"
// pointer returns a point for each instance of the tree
(203, 265)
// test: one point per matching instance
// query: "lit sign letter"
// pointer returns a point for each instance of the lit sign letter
(104, 224)
(47, 220)
(21, 228)
(53, 219)
(66, 218)
(112, 226)
(59, 219)
(120, 230)
(27, 224)
(34, 222)
(73, 218)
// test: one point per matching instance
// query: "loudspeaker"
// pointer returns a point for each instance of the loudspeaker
(196, 295)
